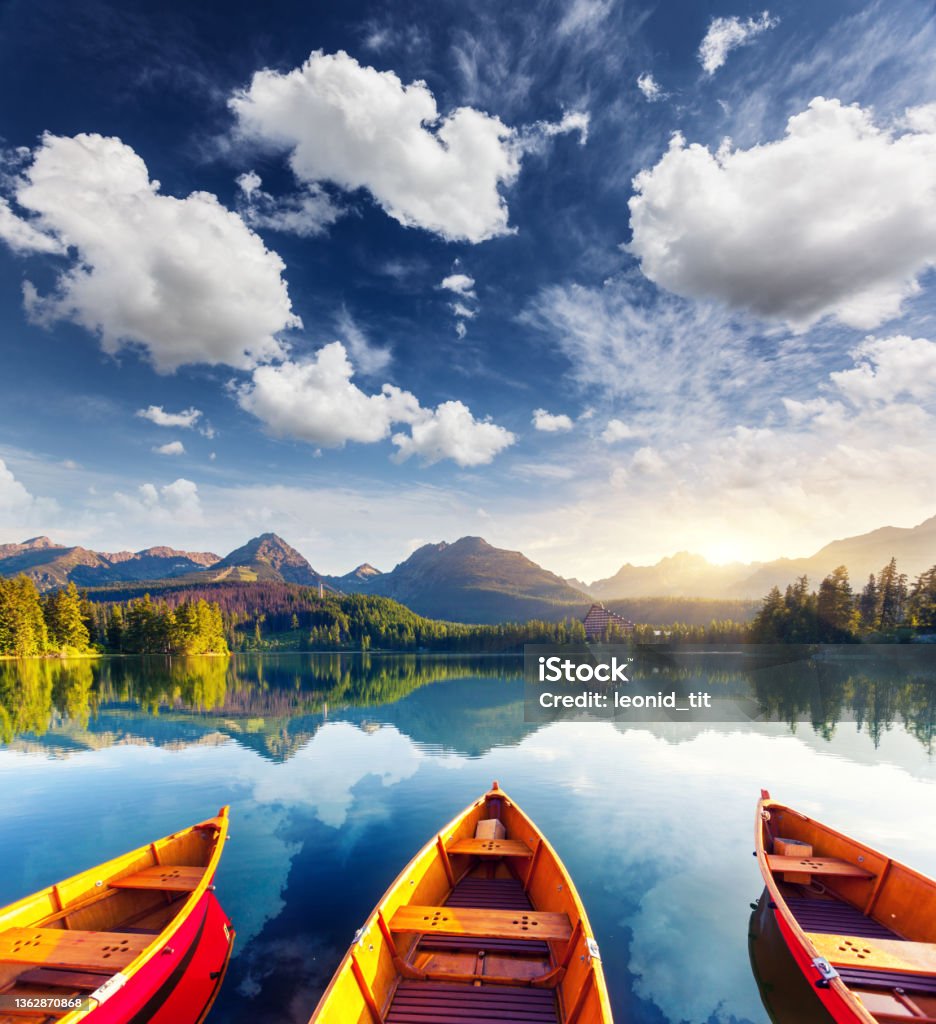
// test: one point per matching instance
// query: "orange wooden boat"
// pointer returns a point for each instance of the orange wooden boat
(861, 926)
(482, 926)
(140, 938)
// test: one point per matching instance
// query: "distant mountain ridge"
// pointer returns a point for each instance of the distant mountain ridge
(679, 575)
(686, 575)
(52, 565)
(469, 580)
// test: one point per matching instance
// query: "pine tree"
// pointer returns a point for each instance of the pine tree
(921, 608)
(892, 588)
(868, 604)
(23, 631)
(65, 621)
(835, 607)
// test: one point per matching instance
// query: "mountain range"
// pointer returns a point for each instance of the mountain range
(52, 565)
(468, 580)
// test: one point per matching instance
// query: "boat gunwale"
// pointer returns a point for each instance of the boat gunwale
(430, 846)
(220, 821)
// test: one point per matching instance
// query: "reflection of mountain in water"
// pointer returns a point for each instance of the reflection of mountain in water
(274, 705)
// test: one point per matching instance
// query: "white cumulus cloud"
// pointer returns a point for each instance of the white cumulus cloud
(451, 432)
(440, 173)
(21, 236)
(836, 218)
(184, 279)
(551, 423)
(316, 401)
(618, 430)
(726, 34)
(170, 448)
(177, 502)
(158, 415)
(13, 495)
(889, 368)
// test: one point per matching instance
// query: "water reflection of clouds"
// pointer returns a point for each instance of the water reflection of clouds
(676, 824)
(320, 778)
(323, 773)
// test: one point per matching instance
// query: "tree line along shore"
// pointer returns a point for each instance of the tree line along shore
(282, 617)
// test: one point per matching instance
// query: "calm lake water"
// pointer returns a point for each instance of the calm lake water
(338, 768)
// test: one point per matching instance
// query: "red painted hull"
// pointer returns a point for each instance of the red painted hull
(837, 1006)
(177, 986)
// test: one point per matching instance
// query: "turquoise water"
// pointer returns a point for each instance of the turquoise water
(337, 769)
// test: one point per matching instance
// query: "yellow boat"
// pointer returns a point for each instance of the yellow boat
(138, 938)
(483, 925)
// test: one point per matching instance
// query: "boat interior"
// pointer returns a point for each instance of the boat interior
(871, 918)
(70, 938)
(482, 926)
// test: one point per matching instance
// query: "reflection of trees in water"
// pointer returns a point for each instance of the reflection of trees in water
(35, 693)
(877, 691)
(155, 684)
(820, 685)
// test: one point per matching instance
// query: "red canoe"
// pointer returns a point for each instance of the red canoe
(140, 938)
(861, 926)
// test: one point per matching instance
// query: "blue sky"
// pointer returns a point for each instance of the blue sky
(595, 280)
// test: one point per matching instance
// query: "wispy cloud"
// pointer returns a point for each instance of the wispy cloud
(158, 415)
(650, 87)
(170, 448)
(369, 358)
(727, 34)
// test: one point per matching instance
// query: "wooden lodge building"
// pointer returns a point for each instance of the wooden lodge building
(600, 620)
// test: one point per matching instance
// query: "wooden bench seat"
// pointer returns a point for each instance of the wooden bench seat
(58, 947)
(881, 954)
(817, 866)
(167, 878)
(529, 925)
(490, 847)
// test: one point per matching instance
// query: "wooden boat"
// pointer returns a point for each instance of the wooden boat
(483, 925)
(861, 926)
(140, 938)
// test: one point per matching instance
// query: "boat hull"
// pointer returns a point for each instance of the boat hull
(177, 987)
(838, 1004)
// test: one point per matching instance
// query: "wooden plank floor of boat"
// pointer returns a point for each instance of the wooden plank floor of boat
(417, 1002)
(444, 1003)
(438, 1002)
